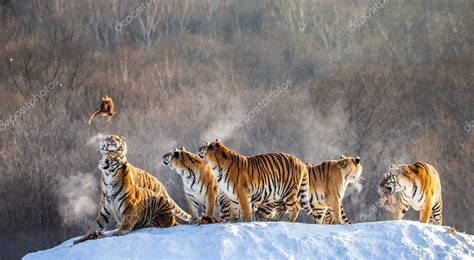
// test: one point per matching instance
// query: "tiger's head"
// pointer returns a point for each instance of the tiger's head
(212, 152)
(114, 147)
(181, 160)
(390, 182)
(350, 167)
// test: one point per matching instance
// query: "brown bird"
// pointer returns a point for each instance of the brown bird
(106, 109)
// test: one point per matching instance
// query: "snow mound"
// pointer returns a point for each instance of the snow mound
(275, 240)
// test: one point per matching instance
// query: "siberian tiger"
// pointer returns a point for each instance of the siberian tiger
(327, 184)
(419, 187)
(256, 181)
(199, 183)
(130, 196)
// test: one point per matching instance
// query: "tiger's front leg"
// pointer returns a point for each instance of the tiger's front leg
(97, 226)
(211, 204)
(244, 201)
(193, 207)
(401, 210)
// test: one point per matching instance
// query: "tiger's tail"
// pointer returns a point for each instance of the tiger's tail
(179, 212)
(304, 194)
(225, 209)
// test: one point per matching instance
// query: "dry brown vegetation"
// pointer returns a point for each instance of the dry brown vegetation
(395, 90)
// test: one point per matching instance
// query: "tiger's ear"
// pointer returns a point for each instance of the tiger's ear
(341, 156)
(122, 137)
(182, 148)
(395, 169)
(218, 141)
(357, 159)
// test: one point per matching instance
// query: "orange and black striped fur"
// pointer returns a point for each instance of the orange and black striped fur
(130, 196)
(199, 183)
(419, 187)
(327, 184)
(258, 180)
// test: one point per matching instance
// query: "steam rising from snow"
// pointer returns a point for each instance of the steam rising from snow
(77, 196)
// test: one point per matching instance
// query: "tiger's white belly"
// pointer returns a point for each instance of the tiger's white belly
(417, 201)
(227, 192)
(194, 189)
(111, 201)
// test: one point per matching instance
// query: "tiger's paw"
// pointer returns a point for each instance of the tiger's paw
(205, 220)
(91, 236)
(194, 220)
(119, 233)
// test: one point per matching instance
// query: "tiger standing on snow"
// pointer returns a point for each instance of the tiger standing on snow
(419, 187)
(199, 183)
(256, 181)
(130, 196)
(328, 182)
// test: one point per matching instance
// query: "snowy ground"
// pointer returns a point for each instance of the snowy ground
(375, 240)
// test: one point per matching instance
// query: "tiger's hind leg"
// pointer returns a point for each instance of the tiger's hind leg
(291, 204)
(164, 220)
(129, 220)
(328, 217)
(265, 211)
(336, 213)
(162, 212)
(319, 213)
(436, 213)
(225, 208)
(425, 211)
(279, 210)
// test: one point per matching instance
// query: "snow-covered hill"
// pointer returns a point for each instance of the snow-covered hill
(375, 240)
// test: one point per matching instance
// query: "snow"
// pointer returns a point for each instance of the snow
(275, 240)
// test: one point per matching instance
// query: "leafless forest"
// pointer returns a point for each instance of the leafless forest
(390, 81)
